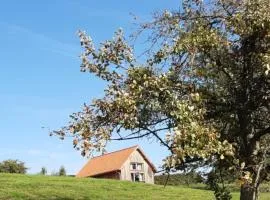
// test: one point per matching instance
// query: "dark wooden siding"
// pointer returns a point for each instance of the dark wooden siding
(109, 175)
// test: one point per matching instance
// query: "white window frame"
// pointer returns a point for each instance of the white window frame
(136, 166)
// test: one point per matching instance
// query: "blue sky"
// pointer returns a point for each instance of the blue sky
(40, 80)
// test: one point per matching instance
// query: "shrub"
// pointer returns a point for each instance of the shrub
(12, 166)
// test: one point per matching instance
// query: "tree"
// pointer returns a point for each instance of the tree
(203, 91)
(62, 171)
(13, 166)
(53, 173)
(43, 171)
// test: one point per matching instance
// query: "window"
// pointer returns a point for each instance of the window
(137, 177)
(136, 166)
(133, 166)
(139, 166)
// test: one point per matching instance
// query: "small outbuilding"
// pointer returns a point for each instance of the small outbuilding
(127, 164)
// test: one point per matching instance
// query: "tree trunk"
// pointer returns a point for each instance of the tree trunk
(249, 192)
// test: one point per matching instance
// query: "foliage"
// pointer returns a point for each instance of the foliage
(191, 177)
(222, 193)
(12, 166)
(43, 171)
(22, 187)
(213, 180)
(203, 92)
(62, 171)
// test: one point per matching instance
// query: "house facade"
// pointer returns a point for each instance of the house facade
(129, 164)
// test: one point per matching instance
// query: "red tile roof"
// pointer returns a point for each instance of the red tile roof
(109, 162)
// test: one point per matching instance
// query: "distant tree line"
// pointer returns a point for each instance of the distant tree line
(18, 167)
(192, 177)
(61, 171)
(188, 178)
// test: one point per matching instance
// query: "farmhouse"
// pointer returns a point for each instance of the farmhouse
(127, 164)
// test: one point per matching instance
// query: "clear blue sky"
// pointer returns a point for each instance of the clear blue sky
(40, 80)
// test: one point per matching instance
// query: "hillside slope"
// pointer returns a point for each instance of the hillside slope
(32, 187)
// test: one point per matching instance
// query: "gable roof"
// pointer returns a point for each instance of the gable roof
(109, 162)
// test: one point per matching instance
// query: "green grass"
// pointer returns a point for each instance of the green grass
(32, 187)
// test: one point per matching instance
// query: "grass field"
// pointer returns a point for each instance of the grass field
(32, 187)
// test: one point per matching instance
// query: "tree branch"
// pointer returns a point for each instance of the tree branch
(130, 138)
(154, 132)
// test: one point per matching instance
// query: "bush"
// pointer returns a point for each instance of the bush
(12, 166)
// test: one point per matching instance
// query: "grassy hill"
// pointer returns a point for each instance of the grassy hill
(32, 187)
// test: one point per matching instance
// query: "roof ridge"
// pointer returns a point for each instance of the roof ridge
(115, 151)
